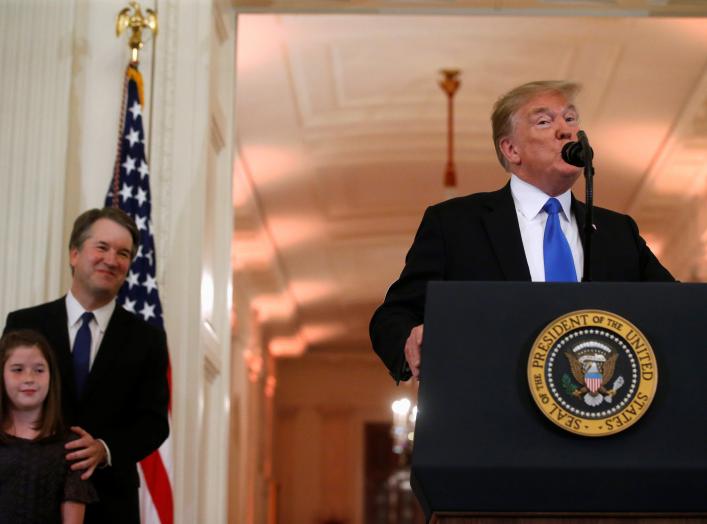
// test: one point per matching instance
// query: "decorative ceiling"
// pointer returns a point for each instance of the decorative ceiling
(341, 143)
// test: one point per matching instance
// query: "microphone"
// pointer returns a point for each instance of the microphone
(578, 153)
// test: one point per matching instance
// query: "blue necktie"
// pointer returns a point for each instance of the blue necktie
(82, 352)
(559, 265)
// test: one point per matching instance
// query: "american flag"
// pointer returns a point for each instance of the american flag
(130, 191)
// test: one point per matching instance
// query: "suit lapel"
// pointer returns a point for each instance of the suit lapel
(57, 324)
(501, 224)
(596, 264)
(57, 329)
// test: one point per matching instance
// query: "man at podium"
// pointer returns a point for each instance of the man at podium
(529, 230)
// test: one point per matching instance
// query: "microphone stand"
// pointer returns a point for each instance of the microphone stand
(589, 204)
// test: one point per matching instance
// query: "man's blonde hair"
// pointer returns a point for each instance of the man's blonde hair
(508, 105)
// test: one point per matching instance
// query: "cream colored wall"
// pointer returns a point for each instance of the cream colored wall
(62, 78)
(322, 404)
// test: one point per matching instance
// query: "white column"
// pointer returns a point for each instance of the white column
(179, 139)
(36, 61)
(191, 167)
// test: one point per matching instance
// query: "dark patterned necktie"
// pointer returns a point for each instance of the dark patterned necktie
(82, 352)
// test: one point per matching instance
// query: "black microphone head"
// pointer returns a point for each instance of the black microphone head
(573, 154)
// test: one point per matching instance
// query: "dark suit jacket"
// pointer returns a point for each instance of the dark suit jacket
(477, 237)
(124, 402)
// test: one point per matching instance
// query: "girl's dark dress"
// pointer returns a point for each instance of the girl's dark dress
(35, 479)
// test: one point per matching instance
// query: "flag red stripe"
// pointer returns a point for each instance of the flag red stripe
(158, 485)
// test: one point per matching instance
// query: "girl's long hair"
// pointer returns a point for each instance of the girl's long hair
(50, 423)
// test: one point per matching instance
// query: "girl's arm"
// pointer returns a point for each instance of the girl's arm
(72, 512)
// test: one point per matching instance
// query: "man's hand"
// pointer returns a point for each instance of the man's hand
(89, 453)
(412, 350)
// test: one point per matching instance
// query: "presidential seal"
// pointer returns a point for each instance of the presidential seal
(592, 373)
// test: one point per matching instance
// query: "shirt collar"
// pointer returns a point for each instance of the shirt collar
(530, 200)
(74, 310)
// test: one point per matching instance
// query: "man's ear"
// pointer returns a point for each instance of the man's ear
(509, 150)
(73, 257)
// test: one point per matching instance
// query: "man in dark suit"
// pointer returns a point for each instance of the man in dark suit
(513, 233)
(113, 365)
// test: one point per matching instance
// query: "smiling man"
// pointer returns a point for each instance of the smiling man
(113, 365)
(528, 230)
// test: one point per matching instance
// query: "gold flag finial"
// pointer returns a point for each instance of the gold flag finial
(132, 17)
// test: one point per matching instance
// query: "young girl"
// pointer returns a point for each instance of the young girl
(36, 484)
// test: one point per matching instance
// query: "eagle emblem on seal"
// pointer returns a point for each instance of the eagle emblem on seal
(592, 364)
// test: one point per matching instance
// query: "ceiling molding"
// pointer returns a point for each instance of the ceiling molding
(666, 8)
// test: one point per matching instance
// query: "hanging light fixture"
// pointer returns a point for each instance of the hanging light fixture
(450, 84)
(403, 430)
(401, 506)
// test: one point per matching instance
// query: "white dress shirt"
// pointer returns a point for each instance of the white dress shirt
(529, 202)
(98, 325)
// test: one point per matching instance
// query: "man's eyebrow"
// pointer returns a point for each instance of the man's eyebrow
(540, 110)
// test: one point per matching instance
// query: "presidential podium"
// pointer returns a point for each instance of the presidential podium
(483, 450)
